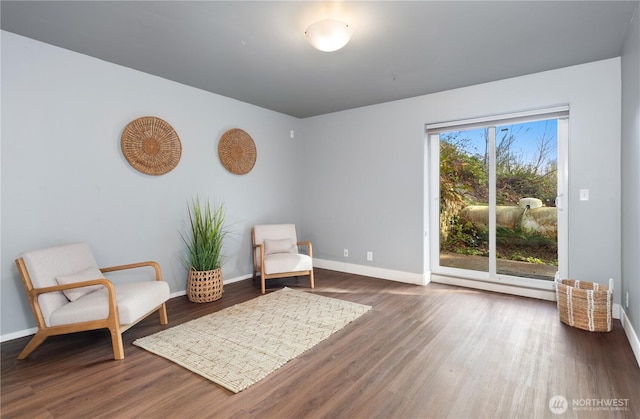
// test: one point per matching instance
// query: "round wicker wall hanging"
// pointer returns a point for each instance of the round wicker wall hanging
(151, 145)
(237, 151)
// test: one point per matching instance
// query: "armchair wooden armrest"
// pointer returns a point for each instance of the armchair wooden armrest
(105, 282)
(309, 248)
(151, 263)
(255, 258)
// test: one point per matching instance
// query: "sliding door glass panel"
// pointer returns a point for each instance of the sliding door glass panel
(526, 187)
(464, 195)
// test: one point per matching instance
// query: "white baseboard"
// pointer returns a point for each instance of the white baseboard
(631, 334)
(372, 271)
(18, 334)
(238, 278)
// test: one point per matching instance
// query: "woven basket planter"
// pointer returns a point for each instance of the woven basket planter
(204, 286)
(585, 305)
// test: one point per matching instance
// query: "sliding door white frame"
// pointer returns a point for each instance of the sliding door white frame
(491, 280)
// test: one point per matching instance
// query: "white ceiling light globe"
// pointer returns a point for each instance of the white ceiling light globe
(328, 35)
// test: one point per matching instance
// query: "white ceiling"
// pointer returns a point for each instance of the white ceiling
(256, 51)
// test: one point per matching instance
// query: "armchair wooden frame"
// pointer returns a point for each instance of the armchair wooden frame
(111, 322)
(264, 276)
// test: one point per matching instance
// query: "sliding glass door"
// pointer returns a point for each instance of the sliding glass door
(496, 193)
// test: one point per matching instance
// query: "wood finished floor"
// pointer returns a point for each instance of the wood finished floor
(421, 352)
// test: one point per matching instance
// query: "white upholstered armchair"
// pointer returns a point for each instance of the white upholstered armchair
(69, 293)
(276, 254)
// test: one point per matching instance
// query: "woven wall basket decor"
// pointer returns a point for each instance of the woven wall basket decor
(237, 151)
(151, 145)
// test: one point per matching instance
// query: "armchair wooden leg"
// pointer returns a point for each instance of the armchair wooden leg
(35, 341)
(163, 314)
(116, 343)
(311, 279)
(262, 284)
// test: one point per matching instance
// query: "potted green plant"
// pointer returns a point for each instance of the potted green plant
(203, 257)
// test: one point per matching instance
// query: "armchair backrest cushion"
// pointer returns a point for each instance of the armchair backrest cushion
(279, 246)
(275, 232)
(84, 275)
(276, 238)
(45, 265)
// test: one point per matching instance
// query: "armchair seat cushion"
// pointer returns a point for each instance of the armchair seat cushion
(134, 300)
(286, 262)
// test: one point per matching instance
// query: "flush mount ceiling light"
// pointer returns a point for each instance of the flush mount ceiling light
(328, 35)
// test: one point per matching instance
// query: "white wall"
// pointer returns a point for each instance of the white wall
(64, 177)
(365, 168)
(631, 176)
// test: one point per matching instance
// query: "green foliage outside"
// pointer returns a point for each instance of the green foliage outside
(464, 182)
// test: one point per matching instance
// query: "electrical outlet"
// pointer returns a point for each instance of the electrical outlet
(369, 256)
(346, 253)
(626, 299)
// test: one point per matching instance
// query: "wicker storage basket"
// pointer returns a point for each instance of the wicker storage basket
(204, 286)
(585, 305)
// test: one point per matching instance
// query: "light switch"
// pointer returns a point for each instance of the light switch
(584, 194)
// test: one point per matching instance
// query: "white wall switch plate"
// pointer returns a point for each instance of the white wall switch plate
(584, 194)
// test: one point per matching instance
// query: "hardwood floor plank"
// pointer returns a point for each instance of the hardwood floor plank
(421, 352)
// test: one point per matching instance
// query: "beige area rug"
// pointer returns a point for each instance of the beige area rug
(240, 345)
